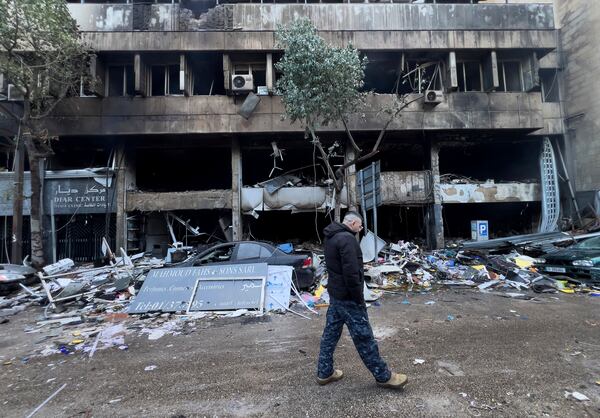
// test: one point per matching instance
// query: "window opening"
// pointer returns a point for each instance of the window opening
(549, 84)
(120, 80)
(511, 77)
(470, 74)
(165, 80)
(422, 76)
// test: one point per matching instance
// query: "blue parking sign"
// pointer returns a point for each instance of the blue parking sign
(483, 229)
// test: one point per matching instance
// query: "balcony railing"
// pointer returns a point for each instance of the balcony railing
(326, 17)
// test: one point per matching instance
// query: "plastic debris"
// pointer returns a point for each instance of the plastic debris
(46, 401)
(576, 395)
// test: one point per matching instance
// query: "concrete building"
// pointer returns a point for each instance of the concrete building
(161, 132)
(579, 58)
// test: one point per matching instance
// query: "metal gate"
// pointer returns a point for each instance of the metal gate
(80, 238)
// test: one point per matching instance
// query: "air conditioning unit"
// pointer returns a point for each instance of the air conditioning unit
(434, 96)
(15, 94)
(242, 83)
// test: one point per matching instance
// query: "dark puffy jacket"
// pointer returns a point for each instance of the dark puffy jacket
(344, 264)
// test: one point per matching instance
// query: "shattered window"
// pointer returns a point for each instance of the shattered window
(115, 81)
(549, 81)
(217, 255)
(120, 80)
(248, 250)
(423, 75)
(165, 80)
(129, 80)
(158, 80)
(174, 79)
(469, 76)
(509, 73)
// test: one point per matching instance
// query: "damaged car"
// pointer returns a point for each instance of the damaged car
(242, 252)
(580, 261)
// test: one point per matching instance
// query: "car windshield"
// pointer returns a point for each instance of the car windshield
(589, 244)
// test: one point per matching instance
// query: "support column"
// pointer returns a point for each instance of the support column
(236, 190)
(120, 198)
(269, 73)
(435, 221)
(351, 178)
(124, 181)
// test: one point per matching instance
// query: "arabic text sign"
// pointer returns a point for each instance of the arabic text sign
(171, 289)
(223, 293)
(81, 195)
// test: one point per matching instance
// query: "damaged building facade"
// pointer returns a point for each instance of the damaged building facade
(161, 149)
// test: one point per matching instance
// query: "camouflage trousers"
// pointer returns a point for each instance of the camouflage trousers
(356, 319)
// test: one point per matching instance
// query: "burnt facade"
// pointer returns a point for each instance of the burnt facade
(165, 123)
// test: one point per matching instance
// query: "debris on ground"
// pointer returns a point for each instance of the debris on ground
(404, 266)
(89, 308)
(576, 395)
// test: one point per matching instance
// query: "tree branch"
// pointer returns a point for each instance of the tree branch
(356, 148)
(319, 146)
(375, 149)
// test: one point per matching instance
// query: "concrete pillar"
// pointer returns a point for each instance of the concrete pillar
(125, 180)
(435, 221)
(269, 73)
(236, 190)
(351, 178)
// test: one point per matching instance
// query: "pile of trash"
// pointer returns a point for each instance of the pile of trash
(404, 266)
(87, 307)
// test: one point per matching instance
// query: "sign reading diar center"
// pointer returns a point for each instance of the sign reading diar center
(207, 288)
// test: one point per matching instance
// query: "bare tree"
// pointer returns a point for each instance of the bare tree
(42, 55)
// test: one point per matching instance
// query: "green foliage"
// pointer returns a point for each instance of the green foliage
(41, 51)
(320, 83)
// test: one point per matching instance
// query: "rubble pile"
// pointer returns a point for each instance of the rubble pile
(86, 307)
(89, 308)
(406, 267)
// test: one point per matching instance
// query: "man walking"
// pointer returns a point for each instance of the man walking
(343, 258)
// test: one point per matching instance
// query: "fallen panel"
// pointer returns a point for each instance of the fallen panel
(172, 289)
(517, 240)
(228, 294)
(279, 285)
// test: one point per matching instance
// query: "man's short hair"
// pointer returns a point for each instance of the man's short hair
(352, 216)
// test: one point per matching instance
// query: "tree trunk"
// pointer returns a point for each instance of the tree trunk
(17, 220)
(337, 212)
(37, 242)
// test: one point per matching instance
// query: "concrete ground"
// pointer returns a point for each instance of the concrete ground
(494, 356)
